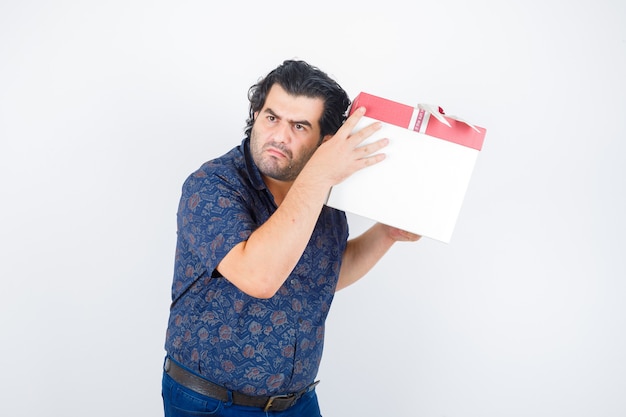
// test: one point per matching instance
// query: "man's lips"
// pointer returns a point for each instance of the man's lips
(276, 152)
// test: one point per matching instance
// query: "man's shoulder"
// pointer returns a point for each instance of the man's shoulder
(228, 167)
(230, 162)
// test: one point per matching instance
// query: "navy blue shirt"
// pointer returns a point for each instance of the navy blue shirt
(251, 345)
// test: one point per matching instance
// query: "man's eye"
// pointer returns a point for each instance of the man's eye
(298, 126)
(271, 118)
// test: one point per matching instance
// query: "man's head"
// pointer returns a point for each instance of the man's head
(299, 78)
(292, 111)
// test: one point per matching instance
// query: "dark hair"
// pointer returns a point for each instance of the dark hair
(299, 78)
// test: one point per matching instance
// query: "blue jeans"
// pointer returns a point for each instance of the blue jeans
(179, 401)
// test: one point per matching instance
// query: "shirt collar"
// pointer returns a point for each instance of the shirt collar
(252, 170)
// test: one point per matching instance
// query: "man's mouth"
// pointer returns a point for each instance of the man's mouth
(277, 152)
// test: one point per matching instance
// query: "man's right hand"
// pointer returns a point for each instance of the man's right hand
(343, 154)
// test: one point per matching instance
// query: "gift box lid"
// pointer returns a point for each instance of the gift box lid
(440, 125)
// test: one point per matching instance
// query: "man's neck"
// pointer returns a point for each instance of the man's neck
(279, 189)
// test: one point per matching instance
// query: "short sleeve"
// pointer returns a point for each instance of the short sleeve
(213, 216)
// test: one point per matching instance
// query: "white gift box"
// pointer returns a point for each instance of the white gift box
(421, 184)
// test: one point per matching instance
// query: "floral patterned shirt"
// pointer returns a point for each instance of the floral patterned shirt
(255, 346)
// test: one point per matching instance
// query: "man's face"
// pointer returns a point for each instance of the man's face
(285, 133)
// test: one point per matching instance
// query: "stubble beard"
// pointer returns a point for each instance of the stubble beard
(272, 166)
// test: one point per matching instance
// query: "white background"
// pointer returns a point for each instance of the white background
(105, 108)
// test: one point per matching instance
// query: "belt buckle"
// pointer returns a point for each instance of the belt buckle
(270, 400)
(294, 397)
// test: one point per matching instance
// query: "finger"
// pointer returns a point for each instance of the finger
(370, 148)
(410, 237)
(364, 133)
(353, 119)
(372, 159)
(351, 122)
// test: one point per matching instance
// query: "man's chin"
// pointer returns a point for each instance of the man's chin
(284, 177)
(278, 173)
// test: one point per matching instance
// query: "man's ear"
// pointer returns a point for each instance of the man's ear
(326, 138)
(254, 116)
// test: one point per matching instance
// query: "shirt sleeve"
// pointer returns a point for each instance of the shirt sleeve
(213, 217)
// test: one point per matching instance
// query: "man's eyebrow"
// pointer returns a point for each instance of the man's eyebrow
(294, 122)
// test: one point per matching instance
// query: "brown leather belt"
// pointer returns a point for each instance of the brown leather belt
(210, 389)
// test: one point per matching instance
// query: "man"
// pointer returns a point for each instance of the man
(259, 256)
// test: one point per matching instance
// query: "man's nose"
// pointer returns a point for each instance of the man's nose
(282, 132)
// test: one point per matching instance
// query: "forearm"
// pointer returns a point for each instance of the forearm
(362, 253)
(261, 264)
